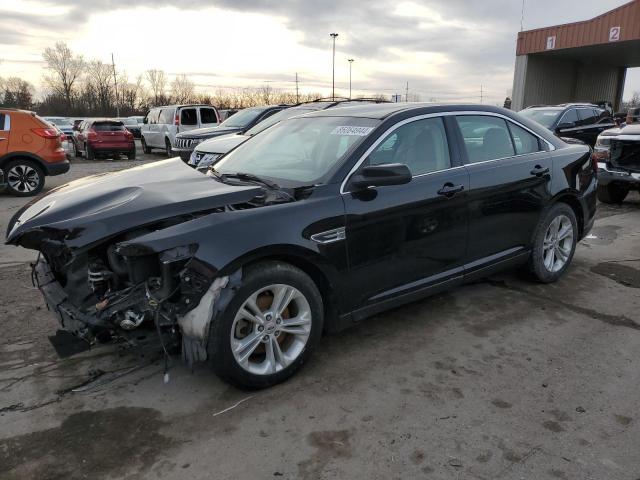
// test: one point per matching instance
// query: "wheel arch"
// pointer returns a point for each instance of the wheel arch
(24, 155)
(571, 198)
(307, 261)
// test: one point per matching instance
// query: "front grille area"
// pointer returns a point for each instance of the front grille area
(184, 142)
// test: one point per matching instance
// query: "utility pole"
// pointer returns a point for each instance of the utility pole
(333, 81)
(522, 17)
(297, 95)
(115, 81)
(350, 60)
(481, 93)
(406, 97)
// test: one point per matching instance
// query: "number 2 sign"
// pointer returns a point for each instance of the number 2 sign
(614, 34)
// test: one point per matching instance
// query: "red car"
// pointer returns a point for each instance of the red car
(103, 138)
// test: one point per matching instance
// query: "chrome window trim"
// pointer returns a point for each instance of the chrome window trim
(364, 156)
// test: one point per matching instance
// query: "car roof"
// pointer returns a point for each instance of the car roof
(384, 110)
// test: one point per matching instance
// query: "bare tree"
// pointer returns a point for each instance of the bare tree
(64, 69)
(100, 76)
(158, 84)
(182, 89)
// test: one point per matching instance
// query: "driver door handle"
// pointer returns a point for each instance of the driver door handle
(449, 189)
(539, 171)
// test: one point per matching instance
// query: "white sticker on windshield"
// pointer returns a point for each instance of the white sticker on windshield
(346, 130)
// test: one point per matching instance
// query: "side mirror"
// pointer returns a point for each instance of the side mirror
(381, 176)
(145, 121)
(566, 125)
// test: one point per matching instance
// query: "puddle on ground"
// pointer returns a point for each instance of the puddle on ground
(89, 444)
(619, 272)
(602, 235)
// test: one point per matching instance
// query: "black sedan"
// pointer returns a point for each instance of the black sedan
(316, 223)
(240, 122)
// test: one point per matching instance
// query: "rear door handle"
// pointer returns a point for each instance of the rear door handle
(539, 171)
(449, 189)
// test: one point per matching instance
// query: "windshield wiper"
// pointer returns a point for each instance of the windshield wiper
(250, 177)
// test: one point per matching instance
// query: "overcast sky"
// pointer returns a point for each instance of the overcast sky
(445, 49)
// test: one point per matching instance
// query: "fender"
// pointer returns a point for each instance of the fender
(12, 155)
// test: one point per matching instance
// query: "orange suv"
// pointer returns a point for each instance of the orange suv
(30, 149)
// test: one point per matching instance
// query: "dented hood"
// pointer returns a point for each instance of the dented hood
(92, 208)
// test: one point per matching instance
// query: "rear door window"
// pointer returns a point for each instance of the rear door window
(188, 116)
(485, 138)
(524, 141)
(208, 115)
(570, 116)
(166, 116)
(3, 119)
(587, 116)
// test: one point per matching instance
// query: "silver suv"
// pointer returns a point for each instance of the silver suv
(162, 124)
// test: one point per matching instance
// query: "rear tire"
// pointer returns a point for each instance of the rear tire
(91, 155)
(612, 193)
(24, 178)
(145, 148)
(301, 313)
(131, 155)
(167, 148)
(554, 243)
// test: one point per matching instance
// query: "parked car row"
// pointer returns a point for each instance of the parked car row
(617, 152)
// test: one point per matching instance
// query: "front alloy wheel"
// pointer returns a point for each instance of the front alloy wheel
(269, 328)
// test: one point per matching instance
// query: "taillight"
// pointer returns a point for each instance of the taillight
(46, 132)
(92, 135)
(63, 137)
(128, 134)
(176, 120)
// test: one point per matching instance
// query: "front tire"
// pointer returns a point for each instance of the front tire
(554, 243)
(24, 177)
(612, 193)
(269, 328)
(167, 147)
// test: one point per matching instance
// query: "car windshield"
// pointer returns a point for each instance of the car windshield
(277, 117)
(544, 116)
(242, 118)
(301, 151)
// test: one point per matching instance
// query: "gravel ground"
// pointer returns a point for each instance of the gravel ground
(501, 379)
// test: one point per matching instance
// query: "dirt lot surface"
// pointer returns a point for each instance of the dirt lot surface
(502, 379)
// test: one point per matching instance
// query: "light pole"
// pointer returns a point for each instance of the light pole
(350, 64)
(333, 81)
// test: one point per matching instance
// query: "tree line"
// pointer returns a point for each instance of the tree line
(75, 86)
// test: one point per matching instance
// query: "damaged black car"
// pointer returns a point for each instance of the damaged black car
(310, 226)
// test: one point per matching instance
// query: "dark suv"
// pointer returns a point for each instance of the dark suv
(311, 225)
(240, 122)
(582, 121)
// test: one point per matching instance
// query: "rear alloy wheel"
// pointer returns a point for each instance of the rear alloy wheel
(167, 147)
(145, 148)
(24, 178)
(269, 328)
(554, 243)
(612, 193)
